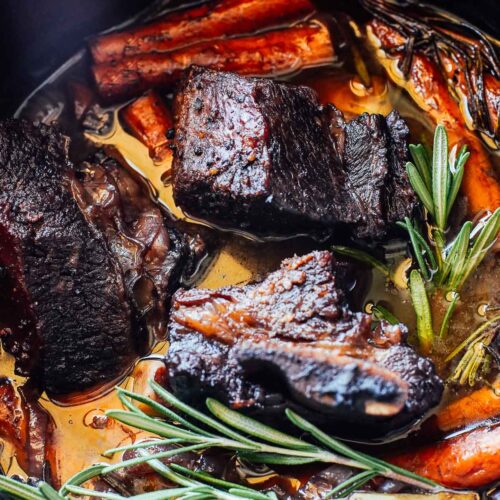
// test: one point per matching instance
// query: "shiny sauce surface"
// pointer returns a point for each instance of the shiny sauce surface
(81, 432)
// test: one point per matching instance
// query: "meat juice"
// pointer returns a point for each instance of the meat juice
(81, 431)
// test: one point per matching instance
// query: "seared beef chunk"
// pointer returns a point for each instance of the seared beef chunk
(291, 340)
(150, 254)
(69, 316)
(265, 157)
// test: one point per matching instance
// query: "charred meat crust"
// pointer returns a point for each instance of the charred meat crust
(72, 321)
(291, 340)
(265, 157)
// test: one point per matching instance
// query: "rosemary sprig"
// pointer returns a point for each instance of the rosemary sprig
(20, 490)
(242, 435)
(441, 266)
(381, 313)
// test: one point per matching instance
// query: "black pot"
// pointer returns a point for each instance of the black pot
(37, 36)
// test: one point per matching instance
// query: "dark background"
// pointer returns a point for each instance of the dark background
(36, 36)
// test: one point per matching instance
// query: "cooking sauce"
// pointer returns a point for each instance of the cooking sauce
(81, 431)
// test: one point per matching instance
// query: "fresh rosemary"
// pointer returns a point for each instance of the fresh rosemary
(187, 429)
(440, 265)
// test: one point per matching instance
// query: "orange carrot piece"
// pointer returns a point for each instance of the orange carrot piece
(479, 405)
(469, 460)
(218, 19)
(271, 53)
(150, 121)
(429, 90)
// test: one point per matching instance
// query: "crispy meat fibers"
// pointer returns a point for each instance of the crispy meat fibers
(291, 340)
(65, 311)
(265, 157)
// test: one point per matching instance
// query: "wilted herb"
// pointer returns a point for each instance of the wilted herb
(476, 358)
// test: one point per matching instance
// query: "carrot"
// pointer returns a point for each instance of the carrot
(461, 89)
(271, 53)
(480, 405)
(469, 460)
(429, 90)
(12, 421)
(150, 121)
(214, 20)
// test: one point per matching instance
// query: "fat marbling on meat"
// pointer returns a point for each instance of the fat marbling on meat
(292, 340)
(265, 157)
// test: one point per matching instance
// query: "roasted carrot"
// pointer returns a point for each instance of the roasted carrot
(480, 405)
(429, 90)
(150, 121)
(462, 90)
(212, 20)
(468, 460)
(275, 52)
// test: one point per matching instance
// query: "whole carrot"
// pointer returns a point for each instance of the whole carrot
(274, 52)
(150, 121)
(469, 460)
(211, 20)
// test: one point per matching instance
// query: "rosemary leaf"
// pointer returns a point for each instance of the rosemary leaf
(161, 454)
(449, 312)
(143, 444)
(327, 440)
(152, 495)
(363, 460)
(82, 477)
(198, 415)
(423, 246)
(363, 257)
(154, 426)
(457, 177)
(166, 471)
(482, 244)
(273, 459)
(78, 490)
(454, 262)
(250, 494)
(255, 428)
(423, 163)
(418, 184)
(381, 313)
(440, 176)
(208, 479)
(417, 249)
(125, 401)
(353, 483)
(20, 490)
(48, 492)
(162, 410)
(422, 308)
